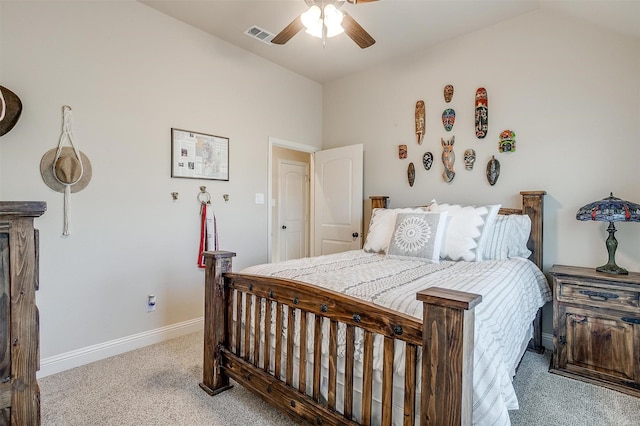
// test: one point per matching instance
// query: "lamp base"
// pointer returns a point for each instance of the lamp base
(612, 268)
(612, 245)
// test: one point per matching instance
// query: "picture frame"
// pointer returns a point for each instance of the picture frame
(197, 155)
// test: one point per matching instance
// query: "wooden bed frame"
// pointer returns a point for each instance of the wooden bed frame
(446, 336)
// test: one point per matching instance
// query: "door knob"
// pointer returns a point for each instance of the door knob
(355, 235)
(284, 226)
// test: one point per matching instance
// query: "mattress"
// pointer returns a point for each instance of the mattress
(513, 290)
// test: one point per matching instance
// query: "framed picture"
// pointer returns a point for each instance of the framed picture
(199, 156)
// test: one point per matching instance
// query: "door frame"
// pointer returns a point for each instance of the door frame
(296, 146)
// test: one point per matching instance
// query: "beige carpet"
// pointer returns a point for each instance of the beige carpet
(549, 399)
(158, 385)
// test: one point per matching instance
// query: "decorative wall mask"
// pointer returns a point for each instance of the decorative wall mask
(469, 158)
(448, 93)
(448, 119)
(402, 151)
(448, 158)
(427, 160)
(420, 129)
(493, 170)
(482, 113)
(411, 174)
(507, 141)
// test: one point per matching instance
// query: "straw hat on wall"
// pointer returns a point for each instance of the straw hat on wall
(10, 110)
(67, 170)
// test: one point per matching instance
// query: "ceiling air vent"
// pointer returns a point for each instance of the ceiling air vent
(260, 34)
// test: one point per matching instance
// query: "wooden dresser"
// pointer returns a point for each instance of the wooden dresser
(19, 328)
(596, 327)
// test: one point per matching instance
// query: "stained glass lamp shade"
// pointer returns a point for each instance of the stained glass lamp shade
(610, 209)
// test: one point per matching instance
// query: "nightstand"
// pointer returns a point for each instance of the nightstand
(596, 327)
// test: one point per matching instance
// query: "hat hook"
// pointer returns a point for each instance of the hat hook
(203, 196)
(66, 121)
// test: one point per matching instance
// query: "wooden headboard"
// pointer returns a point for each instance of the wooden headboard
(532, 205)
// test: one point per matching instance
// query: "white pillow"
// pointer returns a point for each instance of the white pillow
(381, 227)
(467, 230)
(509, 237)
(418, 236)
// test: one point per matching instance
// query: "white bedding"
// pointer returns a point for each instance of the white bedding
(512, 292)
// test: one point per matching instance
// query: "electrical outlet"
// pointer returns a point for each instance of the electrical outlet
(151, 303)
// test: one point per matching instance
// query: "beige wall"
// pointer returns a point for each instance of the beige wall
(131, 73)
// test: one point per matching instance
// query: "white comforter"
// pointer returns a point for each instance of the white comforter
(512, 292)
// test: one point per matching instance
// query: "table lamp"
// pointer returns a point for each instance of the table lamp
(610, 209)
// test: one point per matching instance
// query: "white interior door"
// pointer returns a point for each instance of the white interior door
(337, 200)
(293, 214)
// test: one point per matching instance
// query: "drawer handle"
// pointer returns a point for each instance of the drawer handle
(577, 318)
(599, 296)
(631, 320)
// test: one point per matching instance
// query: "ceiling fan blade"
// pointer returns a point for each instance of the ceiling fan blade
(360, 1)
(288, 32)
(356, 32)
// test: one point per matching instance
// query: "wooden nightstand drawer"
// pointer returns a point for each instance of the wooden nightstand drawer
(576, 291)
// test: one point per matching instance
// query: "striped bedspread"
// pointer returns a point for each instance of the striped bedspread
(512, 292)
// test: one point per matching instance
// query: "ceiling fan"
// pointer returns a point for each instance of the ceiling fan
(324, 19)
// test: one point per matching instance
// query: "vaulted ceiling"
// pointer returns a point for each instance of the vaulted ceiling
(400, 27)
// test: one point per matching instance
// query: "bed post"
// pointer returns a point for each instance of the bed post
(379, 201)
(447, 356)
(216, 295)
(532, 205)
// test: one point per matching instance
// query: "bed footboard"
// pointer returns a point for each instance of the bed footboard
(287, 372)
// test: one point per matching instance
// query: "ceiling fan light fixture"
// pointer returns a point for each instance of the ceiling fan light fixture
(313, 20)
(333, 20)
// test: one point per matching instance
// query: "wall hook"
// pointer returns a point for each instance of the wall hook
(203, 196)
(174, 195)
(226, 197)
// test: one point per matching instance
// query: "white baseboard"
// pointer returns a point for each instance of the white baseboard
(86, 355)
